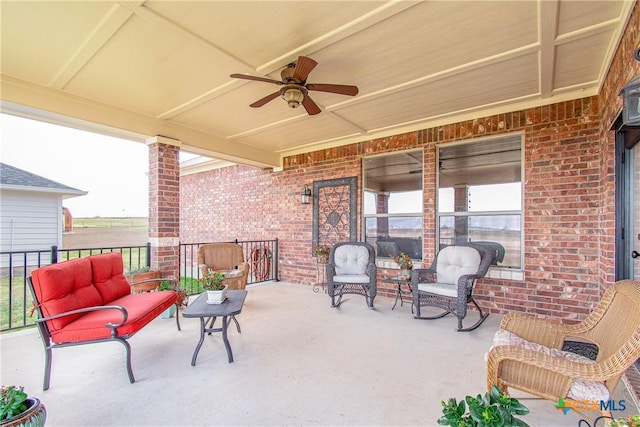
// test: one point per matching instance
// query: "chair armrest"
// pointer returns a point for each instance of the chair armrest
(113, 326)
(421, 275)
(372, 272)
(556, 364)
(550, 333)
(244, 267)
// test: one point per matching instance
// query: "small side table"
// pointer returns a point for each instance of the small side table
(400, 281)
(206, 312)
(321, 273)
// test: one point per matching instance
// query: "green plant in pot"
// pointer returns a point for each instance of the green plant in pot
(494, 409)
(18, 409)
(213, 283)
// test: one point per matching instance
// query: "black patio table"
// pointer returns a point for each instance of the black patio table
(231, 307)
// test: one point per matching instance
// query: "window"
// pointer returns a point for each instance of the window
(480, 196)
(392, 203)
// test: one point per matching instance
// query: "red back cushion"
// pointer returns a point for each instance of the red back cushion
(108, 276)
(64, 287)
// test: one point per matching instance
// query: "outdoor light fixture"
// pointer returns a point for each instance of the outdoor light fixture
(631, 101)
(293, 95)
(306, 195)
(631, 98)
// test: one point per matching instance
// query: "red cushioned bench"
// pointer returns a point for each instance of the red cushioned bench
(88, 300)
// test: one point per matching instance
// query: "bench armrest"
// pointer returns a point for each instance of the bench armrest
(113, 326)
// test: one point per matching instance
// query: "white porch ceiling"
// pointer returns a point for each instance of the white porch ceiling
(162, 67)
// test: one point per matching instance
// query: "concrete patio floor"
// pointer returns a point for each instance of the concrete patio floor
(297, 362)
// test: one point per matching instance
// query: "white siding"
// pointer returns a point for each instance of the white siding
(30, 220)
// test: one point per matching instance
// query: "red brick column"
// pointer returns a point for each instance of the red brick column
(164, 204)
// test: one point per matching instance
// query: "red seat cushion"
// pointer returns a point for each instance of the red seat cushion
(64, 287)
(108, 276)
(141, 309)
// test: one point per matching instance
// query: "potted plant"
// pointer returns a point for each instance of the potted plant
(405, 263)
(213, 284)
(144, 276)
(491, 410)
(18, 409)
(165, 285)
(322, 252)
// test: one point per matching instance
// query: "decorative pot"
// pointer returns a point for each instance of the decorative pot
(148, 286)
(34, 416)
(217, 297)
(323, 258)
(169, 312)
(405, 273)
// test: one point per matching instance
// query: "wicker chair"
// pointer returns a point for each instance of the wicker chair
(351, 270)
(531, 359)
(225, 257)
(448, 283)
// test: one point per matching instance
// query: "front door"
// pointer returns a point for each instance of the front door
(627, 212)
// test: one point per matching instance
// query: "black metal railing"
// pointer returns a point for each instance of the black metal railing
(262, 256)
(16, 266)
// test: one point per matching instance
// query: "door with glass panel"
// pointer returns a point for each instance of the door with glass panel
(627, 204)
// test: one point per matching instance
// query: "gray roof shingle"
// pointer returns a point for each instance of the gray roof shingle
(11, 176)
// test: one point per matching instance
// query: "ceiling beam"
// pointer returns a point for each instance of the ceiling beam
(37, 97)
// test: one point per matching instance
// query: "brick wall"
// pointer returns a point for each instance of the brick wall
(562, 200)
(569, 197)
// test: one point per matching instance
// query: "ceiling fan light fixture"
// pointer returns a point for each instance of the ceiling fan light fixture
(293, 96)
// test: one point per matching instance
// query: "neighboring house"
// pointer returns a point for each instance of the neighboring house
(31, 213)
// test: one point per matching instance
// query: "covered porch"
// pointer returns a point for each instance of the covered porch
(296, 362)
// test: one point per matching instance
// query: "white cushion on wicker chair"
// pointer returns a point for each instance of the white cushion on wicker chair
(580, 389)
(351, 278)
(439, 289)
(456, 261)
(351, 259)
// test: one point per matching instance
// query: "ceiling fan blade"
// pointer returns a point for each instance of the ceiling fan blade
(268, 98)
(311, 107)
(256, 78)
(341, 89)
(304, 65)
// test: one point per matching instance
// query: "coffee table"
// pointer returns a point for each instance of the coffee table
(231, 307)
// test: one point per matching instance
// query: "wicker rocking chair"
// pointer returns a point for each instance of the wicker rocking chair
(351, 270)
(527, 352)
(448, 283)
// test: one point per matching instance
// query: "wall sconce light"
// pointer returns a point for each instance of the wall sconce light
(631, 101)
(631, 98)
(306, 195)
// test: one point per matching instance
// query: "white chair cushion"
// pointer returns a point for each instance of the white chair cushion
(580, 389)
(456, 261)
(444, 289)
(351, 278)
(351, 259)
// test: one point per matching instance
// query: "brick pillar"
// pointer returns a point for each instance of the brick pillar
(164, 204)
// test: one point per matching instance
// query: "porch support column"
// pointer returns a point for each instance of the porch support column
(164, 204)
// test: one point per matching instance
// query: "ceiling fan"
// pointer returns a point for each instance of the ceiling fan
(295, 88)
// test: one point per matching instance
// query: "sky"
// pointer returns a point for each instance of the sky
(112, 170)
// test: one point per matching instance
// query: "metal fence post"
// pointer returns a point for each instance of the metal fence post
(54, 254)
(275, 263)
(148, 254)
